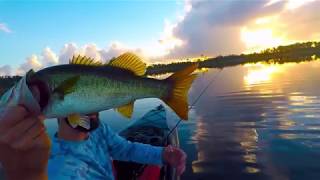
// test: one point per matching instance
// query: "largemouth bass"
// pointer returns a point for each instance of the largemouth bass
(84, 86)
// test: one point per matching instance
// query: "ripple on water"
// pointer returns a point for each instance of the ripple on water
(265, 130)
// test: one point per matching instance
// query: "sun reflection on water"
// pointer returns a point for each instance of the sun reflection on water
(261, 73)
(300, 100)
(200, 133)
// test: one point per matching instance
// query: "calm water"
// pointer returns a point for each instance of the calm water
(254, 122)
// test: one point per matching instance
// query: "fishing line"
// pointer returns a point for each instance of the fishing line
(196, 100)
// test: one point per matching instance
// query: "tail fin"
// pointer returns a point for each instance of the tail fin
(178, 97)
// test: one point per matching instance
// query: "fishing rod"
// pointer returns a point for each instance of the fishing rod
(196, 100)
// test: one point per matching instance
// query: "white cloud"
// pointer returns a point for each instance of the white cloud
(49, 58)
(36, 62)
(91, 50)
(32, 62)
(4, 28)
(67, 51)
(114, 50)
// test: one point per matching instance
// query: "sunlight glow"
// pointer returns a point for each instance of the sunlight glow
(167, 42)
(264, 20)
(259, 39)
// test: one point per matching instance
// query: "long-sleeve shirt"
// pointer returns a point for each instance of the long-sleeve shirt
(92, 158)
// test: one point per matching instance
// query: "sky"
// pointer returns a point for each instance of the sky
(37, 34)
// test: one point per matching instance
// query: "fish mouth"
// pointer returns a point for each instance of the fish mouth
(43, 87)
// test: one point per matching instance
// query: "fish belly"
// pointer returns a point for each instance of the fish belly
(71, 105)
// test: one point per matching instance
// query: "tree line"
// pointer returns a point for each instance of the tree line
(7, 82)
(298, 52)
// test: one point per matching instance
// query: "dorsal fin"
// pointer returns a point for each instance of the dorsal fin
(84, 60)
(130, 62)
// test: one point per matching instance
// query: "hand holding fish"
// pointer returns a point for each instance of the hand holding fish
(24, 145)
(175, 157)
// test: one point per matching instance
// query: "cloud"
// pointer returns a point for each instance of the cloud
(301, 23)
(4, 28)
(67, 51)
(32, 62)
(49, 58)
(213, 27)
(36, 62)
(217, 27)
(72, 49)
(296, 22)
(93, 51)
(116, 48)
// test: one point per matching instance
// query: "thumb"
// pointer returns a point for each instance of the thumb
(41, 117)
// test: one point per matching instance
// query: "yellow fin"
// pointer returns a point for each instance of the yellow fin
(130, 62)
(74, 119)
(84, 61)
(126, 110)
(178, 98)
(184, 72)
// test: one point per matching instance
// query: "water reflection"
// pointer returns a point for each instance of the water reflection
(260, 73)
(258, 122)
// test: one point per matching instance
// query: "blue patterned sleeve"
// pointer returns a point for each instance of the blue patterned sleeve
(66, 168)
(121, 149)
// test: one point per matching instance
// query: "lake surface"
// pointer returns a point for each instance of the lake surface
(254, 122)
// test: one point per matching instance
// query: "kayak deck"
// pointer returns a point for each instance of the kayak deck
(151, 129)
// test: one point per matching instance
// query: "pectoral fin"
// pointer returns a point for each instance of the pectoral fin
(66, 87)
(126, 110)
(74, 120)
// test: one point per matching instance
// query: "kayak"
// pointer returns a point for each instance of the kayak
(152, 129)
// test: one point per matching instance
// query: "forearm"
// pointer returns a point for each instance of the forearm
(147, 154)
(124, 150)
(140, 153)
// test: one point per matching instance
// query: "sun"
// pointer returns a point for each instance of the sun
(259, 39)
